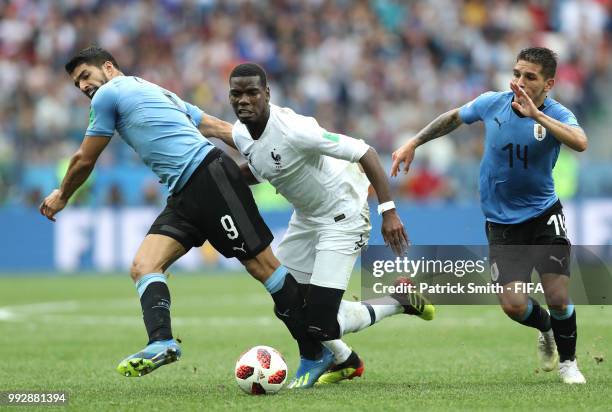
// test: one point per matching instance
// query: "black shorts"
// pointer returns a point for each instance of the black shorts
(215, 205)
(540, 243)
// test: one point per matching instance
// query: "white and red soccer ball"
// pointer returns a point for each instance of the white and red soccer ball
(261, 370)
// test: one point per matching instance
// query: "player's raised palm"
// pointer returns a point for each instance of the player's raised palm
(522, 102)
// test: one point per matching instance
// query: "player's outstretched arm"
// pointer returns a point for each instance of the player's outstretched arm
(210, 126)
(572, 136)
(79, 169)
(392, 228)
(442, 125)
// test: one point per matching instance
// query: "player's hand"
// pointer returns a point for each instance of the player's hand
(404, 154)
(393, 232)
(52, 205)
(523, 103)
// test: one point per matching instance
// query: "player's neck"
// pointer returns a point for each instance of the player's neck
(257, 129)
(539, 102)
(115, 74)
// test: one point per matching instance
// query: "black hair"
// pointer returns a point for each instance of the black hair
(542, 56)
(93, 55)
(248, 70)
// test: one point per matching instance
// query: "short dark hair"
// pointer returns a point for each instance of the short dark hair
(93, 55)
(248, 70)
(542, 56)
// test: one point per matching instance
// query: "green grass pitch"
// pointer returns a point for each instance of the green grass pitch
(67, 333)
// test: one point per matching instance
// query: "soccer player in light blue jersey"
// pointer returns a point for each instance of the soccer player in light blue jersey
(524, 130)
(208, 198)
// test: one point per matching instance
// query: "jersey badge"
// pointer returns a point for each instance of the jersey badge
(276, 158)
(539, 132)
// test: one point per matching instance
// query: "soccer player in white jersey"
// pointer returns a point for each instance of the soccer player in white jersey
(319, 173)
(208, 199)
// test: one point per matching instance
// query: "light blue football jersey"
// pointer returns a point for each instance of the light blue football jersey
(516, 182)
(156, 123)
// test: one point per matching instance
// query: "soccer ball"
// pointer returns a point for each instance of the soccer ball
(261, 370)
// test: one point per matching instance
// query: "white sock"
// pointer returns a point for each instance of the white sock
(355, 316)
(340, 349)
(385, 307)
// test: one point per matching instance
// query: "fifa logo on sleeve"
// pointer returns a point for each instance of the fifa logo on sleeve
(539, 132)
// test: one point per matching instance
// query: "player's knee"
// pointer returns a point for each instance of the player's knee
(256, 269)
(558, 308)
(140, 268)
(262, 266)
(514, 311)
(556, 299)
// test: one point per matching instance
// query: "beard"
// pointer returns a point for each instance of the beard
(94, 90)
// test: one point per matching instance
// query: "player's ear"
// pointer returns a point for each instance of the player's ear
(267, 94)
(549, 84)
(108, 67)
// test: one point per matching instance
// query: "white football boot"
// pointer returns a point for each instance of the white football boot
(569, 372)
(547, 351)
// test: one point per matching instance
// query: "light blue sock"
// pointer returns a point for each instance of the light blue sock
(563, 314)
(277, 280)
(146, 280)
(527, 311)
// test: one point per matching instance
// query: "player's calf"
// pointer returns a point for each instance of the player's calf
(565, 332)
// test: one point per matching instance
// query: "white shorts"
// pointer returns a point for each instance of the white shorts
(324, 254)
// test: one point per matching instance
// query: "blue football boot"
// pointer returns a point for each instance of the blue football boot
(154, 355)
(310, 371)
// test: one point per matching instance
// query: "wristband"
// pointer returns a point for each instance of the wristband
(383, 207)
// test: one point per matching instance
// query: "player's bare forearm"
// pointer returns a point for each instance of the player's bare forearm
(376, 175)
(79, 170)
(443, 124)
(392, 229)
(210, 126)
(247, 175)
(571, 136)
(440, 126)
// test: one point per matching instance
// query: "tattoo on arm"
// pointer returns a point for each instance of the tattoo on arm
(442, 125)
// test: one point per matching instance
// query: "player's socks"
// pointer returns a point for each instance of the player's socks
(535, 316)
(289, 308)
(383, 308)
(356, 316)
(322, 304)
(340, 350)
(155, 303)
(565, 330)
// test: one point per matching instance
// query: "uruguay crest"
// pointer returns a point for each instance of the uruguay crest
(539, 132)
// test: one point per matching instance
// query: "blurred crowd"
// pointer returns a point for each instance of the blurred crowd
(374, 69)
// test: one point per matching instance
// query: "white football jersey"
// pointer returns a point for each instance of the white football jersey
(313, 169)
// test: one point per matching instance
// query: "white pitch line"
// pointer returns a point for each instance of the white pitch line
(215, 321)
(6, 314)
(18, 312)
